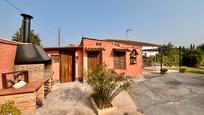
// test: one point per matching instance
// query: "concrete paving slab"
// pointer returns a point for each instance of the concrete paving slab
(170, 94)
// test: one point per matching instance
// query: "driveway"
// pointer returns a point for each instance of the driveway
(170, 94)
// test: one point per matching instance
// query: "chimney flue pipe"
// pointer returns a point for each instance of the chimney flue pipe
(26, 27)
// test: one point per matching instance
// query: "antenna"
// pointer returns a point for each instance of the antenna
(127, 30)
(58, 37)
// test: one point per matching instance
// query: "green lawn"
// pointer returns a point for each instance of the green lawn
(190, 69)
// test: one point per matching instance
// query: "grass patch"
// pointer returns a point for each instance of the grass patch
(190, 69)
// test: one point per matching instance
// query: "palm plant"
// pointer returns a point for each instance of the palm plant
(106, 85)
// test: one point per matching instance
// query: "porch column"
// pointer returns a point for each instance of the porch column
(76, 65)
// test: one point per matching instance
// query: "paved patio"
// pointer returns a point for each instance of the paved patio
(73, 99)
(170, 94)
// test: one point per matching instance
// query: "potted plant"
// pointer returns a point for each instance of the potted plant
(163, 70)
(106, 85)
(182, 70)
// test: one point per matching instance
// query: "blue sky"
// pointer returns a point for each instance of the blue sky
(156, 21)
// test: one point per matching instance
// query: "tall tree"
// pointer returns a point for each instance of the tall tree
(201, 50)
(201, 47)
(18, 36)
(170, 55)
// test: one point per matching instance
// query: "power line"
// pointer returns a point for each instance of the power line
(45, 28)
(21, 11)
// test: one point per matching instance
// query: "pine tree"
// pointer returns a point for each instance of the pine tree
(18, 36)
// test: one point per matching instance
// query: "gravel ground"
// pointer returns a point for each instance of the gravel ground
(73, 99)
(170, 94)
(67, 99)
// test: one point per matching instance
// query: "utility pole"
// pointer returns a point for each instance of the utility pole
(58, 37)
(127, 30)
(179, 57)
(161, 54)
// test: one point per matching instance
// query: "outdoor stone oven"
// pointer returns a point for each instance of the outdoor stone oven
(31, 57)
(32, 60)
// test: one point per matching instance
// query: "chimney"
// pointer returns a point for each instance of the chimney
(26, 27)
(29, 53)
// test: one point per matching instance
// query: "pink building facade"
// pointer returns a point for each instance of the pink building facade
(73, 62)
(7, 56)
(114, 55)
(66, 63)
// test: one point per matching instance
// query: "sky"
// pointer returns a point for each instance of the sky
(180, 22)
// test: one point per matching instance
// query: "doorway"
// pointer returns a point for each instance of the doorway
(94, 59)
(67, 66)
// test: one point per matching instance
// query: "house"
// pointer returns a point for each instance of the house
(72, 62)
(150, 50)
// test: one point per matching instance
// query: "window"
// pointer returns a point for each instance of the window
(133, 57)
(119, 60)
(55, 58)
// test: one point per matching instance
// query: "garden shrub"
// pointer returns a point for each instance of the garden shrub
(106, 85)
(182, 70)
(163, 70)
(8, 108)
(191, 58)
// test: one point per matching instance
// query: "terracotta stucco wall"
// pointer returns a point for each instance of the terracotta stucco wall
(7, 57)
(55, 65)
(79, 63)
(108, 56)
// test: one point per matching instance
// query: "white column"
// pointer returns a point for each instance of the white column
(76, 65)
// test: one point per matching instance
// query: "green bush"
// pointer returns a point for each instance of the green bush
(163, 70)
(182, 70)
(8, 108)
(106, 85)
(191, 58)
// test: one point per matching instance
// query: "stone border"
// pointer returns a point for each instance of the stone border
(101, 111)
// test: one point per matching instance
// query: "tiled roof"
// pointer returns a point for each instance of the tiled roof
(125, 41)
(3, 40)
(66, 47)
(132, 42)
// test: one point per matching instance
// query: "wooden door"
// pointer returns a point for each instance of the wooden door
(94, 59)
(66, 67)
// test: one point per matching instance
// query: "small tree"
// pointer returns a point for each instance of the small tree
(191, 58)
(18, 36)
(106, 85)
(170, 55)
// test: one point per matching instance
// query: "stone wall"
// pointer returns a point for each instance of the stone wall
(35, 71)
(26, 102)
(40, 93)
